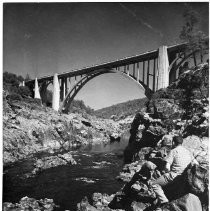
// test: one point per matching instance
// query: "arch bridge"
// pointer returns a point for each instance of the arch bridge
(150, 71)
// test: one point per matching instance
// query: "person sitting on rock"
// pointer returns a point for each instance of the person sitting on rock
(177, 161)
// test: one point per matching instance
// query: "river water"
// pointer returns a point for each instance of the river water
(96, 171)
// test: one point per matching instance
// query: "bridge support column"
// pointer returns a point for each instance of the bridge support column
(75, 80)
(163, 68)
(65, 87)
(62, 89)
(138, 77)
(36, 90)
(172, 73)
(56, 93)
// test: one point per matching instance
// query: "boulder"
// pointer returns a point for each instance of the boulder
(165, 109)
(120, 202)
(188, 202)
(198, 147)
(52, 161)
(145, 132)
(27, 203)
(68, 158)
(86, 123)
(144, 152)
(84, 205)
(114, 137)
(101, 201)
(129, 170)
(198, 182)
(138, 206)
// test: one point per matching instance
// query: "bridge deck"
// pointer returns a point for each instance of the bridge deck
(113, 64)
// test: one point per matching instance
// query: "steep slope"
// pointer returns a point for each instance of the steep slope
(29, 127)
(121, 110)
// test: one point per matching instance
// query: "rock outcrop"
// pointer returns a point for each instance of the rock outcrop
(188, 202)
(51, 162)
(29, 128)
(181, 108)
(27, 203)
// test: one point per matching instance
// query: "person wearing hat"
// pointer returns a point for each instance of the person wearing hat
(177, 161)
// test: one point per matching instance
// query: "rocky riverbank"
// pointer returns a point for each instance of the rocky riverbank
(27, 203)
(30, 128)
(182, 108)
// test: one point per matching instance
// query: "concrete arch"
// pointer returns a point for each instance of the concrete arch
(178, 61)
(78, 86)
(181, 62)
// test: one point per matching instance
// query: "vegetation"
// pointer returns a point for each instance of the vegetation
(191, 33)
(11, 78)
(11, 84)
(122, 110)
(78, 106)
(27, 78)
(196, 41)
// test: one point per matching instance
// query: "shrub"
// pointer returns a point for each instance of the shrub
(11, 78)
(14, 96)
(121, 109)
(191, 32)
(79, 106)
(24, 91)
(34, 101)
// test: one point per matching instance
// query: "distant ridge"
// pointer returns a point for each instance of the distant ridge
(122, 110)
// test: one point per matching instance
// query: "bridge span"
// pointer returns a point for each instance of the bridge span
(151, 71)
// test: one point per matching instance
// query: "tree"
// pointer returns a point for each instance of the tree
(191, 33)
(24, 91)
(27, 78)
(12, 79)
(11, 83)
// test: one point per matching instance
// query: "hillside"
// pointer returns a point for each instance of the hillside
(121, 110)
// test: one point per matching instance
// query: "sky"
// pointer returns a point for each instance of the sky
(46, 38)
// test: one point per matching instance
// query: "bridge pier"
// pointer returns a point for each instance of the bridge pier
(138, 76)
(36, 90)
(56, 93)
(173, 73)
(163, 68)
(62, 88)
(65, 87)
(75, 80)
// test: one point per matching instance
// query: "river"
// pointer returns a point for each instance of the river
(97, 168)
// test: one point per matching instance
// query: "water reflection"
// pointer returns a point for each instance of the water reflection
(114, 147)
